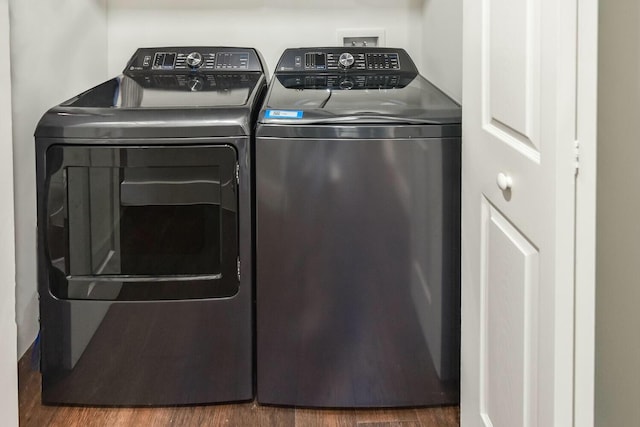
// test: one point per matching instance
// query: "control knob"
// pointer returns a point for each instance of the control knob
(195, 84)
(346, 60)
(194, 60)
(347, 84)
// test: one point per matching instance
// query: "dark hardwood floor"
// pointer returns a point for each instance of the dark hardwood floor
(33, 413)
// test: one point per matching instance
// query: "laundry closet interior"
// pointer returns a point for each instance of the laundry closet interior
(430, 32)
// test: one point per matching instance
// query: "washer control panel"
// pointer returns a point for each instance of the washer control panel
(349, 81)
(185, 59)
(318, 60)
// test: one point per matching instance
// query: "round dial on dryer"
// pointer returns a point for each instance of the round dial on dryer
(346, 60)
(194, 60)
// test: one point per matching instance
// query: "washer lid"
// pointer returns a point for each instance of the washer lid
(363, 98)
(361, 85)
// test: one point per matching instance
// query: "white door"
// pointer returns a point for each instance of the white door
(519, 167)
(8, 350)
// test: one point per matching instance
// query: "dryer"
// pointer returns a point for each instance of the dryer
(145, 232)
(358, 233)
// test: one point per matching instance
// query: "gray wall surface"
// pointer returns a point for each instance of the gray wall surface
(58, 49)
(617, 394)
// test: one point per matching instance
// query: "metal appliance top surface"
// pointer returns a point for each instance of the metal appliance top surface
(374, 86)
(167, 92)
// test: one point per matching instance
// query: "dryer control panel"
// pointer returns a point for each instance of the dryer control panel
(192, 59)
(345, 59)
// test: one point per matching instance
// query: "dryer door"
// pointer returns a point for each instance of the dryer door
(142, 223)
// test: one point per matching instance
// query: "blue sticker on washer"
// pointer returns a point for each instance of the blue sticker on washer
(283, 114)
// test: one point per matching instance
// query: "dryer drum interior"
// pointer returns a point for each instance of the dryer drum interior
(142, 223)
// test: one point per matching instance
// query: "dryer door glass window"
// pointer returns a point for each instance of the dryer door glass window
(143, 223)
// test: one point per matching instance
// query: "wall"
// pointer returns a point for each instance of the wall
(442, 45)
(430, 30)
(58, 49)
(8, 374)
(618, 208)
(269, 25)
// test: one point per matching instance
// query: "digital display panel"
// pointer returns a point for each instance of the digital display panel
(169, 60)
(315, 61)
(320, 61)
(232, 60)
(164, 61)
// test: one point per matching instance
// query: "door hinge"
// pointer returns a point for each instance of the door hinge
(238, 268)
(576, 155)
(238, 173)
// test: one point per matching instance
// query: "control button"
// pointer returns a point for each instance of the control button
(194, 60)
(346, 60)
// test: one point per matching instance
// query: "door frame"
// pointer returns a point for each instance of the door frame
(585, 233)
(8, 327)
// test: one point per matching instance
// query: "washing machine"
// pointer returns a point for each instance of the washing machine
(357, 233)
(145, 232)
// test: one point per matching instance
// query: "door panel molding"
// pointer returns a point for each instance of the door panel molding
(511, 73)
(509, 316)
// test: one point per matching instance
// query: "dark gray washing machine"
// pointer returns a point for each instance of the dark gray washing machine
(144, 232)
(358, 233)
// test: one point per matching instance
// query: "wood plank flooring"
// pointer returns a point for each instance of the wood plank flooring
(34, 414)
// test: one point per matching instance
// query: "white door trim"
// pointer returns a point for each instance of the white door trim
(8, 328)
(585, 272)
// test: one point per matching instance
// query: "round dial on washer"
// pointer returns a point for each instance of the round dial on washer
(195, 84)
(347, 84)
(194, 60)
(346, 60)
